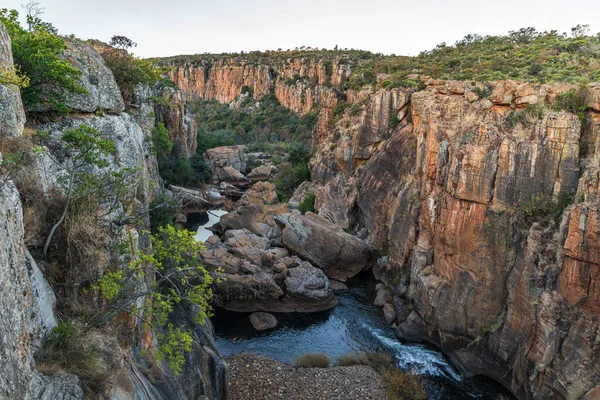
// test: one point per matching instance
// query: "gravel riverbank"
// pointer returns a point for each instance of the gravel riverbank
(256, 377)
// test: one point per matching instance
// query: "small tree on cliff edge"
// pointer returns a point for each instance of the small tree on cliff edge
(177, 277)
(81, 155)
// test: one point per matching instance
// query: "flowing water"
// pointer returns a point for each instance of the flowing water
(354, 325)
(202, 223)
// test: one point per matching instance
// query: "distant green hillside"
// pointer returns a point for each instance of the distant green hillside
(526, 55)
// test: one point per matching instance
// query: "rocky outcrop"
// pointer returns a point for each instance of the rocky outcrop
(262, 173)
(12, 114)
(300, 84)
(339, 254)
(21, 326)
(258, 277)
(26, 309)
(26, 299)
(183, 130)
(102, 91)
(453, 194)
(228, 164)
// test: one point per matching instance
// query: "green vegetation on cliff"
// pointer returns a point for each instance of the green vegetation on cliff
(249, 124)
(46, 79)
(525, 55)
(263, 127)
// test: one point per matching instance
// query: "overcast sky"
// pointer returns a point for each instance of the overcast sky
(171, 27)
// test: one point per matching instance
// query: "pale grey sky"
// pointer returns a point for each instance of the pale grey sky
(163, 28)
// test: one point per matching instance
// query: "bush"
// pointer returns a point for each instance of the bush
(308, 204)
(572, 101)
(541, 208)
(69, 348)
(315, 360)
(289, 178)
(160, 141)
(402, 385)
(37, 54)
(163, 210)
(130, 71)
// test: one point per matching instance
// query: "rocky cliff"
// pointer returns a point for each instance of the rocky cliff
(457, 199)
(482, 199)
(300, 85)
(26, 299)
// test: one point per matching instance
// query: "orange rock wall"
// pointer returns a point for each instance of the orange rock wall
(442, 181)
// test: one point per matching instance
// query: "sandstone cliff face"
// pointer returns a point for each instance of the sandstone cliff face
(441, 181)
(182, 128)
(298, 84)
(444, 195)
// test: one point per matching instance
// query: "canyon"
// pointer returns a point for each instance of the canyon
(447, 184)
(475, 205)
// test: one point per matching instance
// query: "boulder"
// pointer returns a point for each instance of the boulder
(260, 193)
(336, 285)
(263, 173)
(384, 295)
(257, 218)
(258, 277)
(339, 254)
(388, 313)
(103, 93)
(305, 282)
(262, 321)
(223, 160)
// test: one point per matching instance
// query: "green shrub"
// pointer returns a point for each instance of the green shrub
(72, 349)
(289, 178)
(37, 54)
(543, 208)
(130, 71)
(163, 210)
(535, 112)
(402, 385)
(572, 101)
(394, 121)
(160, 141)
(482, 93)
(315, 360)
(308, 204)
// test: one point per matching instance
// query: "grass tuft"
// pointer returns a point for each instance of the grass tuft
(313, 360)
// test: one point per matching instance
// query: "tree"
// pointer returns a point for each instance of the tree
(173, 261)
(121, 42)
(130, 71)
(33, 12)
(37, 54)
(580, 30)
(77, 153)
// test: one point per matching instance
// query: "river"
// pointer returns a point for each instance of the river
(354, 325)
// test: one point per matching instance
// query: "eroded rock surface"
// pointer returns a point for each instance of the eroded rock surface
(339, 254)
(12, 114)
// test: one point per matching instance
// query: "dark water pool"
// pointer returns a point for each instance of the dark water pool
(353, 326)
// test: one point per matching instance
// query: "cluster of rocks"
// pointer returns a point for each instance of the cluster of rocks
(229, 165)
(273, 259)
